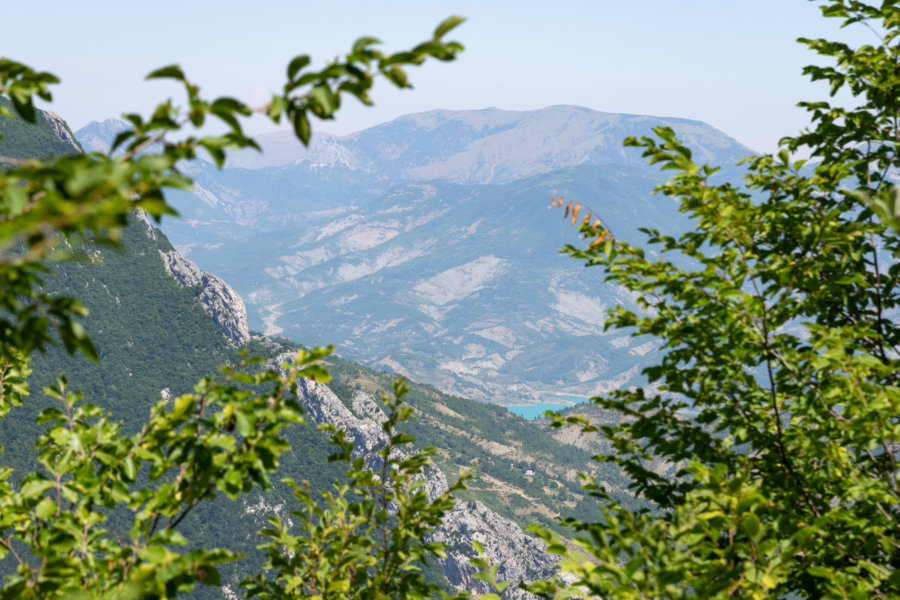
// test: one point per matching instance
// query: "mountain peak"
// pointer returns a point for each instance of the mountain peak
(497, 146)
(98, 136)
(48, 135)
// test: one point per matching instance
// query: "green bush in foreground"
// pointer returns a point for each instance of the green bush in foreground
(779, 317)
(368, 539)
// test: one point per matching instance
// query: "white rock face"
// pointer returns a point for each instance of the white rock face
(60, 128)
(218, 299)
(323, 406)
(143, 218)
(222, 303)
(462, 281)
(520, 556)
(589, 309)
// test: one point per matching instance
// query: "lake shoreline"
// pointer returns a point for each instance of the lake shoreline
(535, 410)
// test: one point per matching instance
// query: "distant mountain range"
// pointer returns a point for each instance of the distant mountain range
(279, 148)
(426, 245)
(497, 146)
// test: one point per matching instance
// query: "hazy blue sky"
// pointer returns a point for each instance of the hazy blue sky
(733, 64)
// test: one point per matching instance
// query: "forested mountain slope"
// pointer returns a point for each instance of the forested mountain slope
(155, 339)
(50, 136)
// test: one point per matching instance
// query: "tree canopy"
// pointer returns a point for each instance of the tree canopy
(777, 396)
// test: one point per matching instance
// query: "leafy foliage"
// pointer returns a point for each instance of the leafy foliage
(778, 314)
(219, 438)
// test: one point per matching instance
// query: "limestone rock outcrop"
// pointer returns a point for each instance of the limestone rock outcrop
(60, 128)
(218, 298)
(520, 556)
(362, 426)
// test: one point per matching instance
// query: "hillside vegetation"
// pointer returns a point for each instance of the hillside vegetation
(50, 136)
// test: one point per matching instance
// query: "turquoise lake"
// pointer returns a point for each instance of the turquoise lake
(533, 411)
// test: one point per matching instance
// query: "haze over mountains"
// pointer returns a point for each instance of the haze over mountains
(426, 246)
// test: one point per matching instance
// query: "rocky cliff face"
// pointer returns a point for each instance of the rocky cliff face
(520, 557)
(362, 424)
(60, 128)
(222, 303)
(218, 298)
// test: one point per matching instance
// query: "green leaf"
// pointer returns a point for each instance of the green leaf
(277, 106)
(169, 537)
(824, 572)
(324, 98)
(363, 43)
(121, 138)
(244, 424)
(301, 126)
(129, 468)
(447, 25)
(167, 72)
(230, 105)
(751, 524)
(48, 415)
(23, 106)
(183, 403)
(402, 438)
(35, 487)
(296, 65)
(633, 565)
(46, 508)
